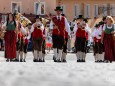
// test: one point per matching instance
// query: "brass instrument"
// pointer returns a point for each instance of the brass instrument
(23, 20)
(2, 34)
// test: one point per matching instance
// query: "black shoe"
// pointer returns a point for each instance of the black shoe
(55, 60)
(83, 60)
(58, 61)
(78, 60)
(7, 60)
(40, 60)
(16, 60)
(21, 60)
(111, 61)
(64, 61)
(35, 60)
(43, 60)
(24, 60)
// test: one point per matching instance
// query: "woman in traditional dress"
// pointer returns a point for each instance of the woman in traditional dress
(108, 39)
(10, 37)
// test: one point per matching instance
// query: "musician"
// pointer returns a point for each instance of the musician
(37, 37)
(44, 44)
(98, 46)
(88, 33)
(58, 24)
(26, 42)
(80, 30)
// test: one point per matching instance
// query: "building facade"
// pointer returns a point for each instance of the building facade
(72, 8)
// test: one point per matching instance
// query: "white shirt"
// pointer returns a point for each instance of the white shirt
(67, 26)
(32, 28)
(87, 29)
(97, 32)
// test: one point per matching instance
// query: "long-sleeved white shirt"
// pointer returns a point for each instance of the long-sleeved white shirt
(32, 28)
(97, 32)
(67, 26)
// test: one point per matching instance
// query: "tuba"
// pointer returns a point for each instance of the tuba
(23, 20)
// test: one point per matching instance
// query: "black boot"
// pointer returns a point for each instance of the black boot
(16, 60)
(35, 60)
(24, 60)
(64, 61)
(21, 60)
(78, 60)
(58, 61)
(43, 60)
(7, 60)
(40, 60)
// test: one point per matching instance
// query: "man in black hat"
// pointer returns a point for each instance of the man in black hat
(37, 37)
(58, 24)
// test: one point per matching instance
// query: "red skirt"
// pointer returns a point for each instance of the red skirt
(10, 44)
(109, 47)
(114, 48)
(49, 45)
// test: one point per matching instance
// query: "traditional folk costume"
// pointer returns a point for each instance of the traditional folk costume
(109, 42)
(58, 24)
(10, 40)
(80, 30)
(26, 42)
(88, 34)
(98, 46)
(20, 42)
(37, 37)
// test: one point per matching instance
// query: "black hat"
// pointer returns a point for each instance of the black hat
(97, 25)
(104, 18)
(38, 17)
(58, 8)
(101, 23)
(80, 17)
(86, 20)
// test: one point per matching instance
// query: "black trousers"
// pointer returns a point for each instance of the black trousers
(25, 48)
(80, 44)
(98, 48)
(58, 41)
(1, 41)
(43, 46)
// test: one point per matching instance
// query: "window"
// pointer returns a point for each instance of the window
(88, 10)
(15, 7)
(4, 18)
(64, 10)
(104, 10)
(112, 11)
(39, 8)
(96, 10)
(76, 10)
